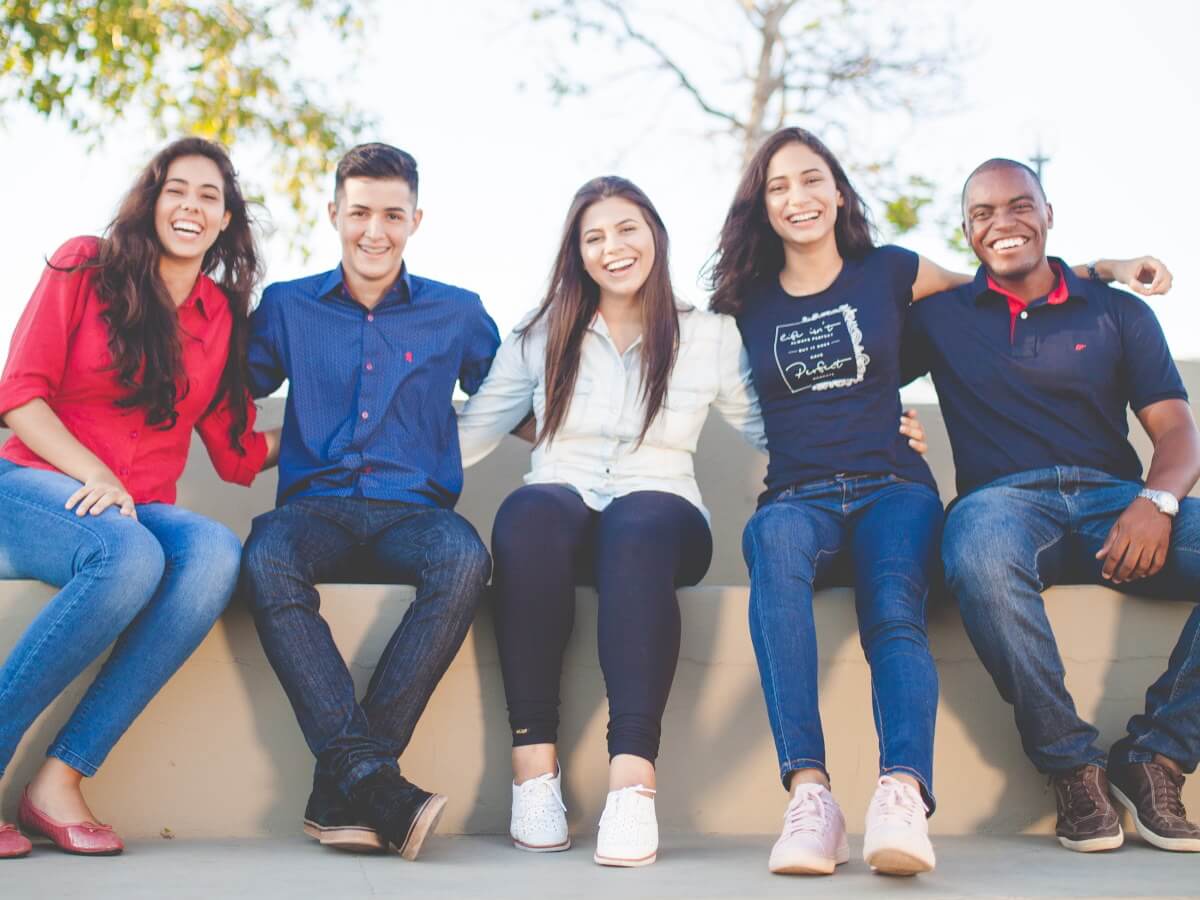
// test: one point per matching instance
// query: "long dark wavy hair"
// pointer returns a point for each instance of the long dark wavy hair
(749, 251)
(572, 299)
(141, 316)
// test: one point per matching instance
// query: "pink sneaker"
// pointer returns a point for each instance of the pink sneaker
(813, 841)
(897, 837)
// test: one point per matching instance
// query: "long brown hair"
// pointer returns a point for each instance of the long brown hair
(749, 251)
(573, 298)
(141, 316)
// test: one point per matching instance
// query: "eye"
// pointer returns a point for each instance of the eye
(395, 217)
(813, 179)
(173, 191)
(776, 188)
(1023, 207)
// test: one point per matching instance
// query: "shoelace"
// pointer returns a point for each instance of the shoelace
(808, 816)
(542, 783)
(1080, 800)
(894, 801)
(1166, 789)
(625, 795)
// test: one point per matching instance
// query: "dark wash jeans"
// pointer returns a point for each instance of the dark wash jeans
(884, 533)
(316, 539)
(1008, 541)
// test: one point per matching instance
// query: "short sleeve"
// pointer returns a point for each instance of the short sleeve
(901, 267)
(915, 350)
(37, 355)
(482, 341)
(1149, 371)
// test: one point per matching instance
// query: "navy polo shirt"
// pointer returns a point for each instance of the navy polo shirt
(826, 368)
(368, 408)
(1048, 388)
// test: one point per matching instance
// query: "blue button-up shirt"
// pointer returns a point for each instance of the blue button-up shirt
(369, 409)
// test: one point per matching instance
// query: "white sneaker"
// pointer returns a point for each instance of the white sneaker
(539, 816)
(897, 838)
(628, 829)
(813, 841)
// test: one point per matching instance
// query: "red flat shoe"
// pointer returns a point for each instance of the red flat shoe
(85, 838)
(13, 844)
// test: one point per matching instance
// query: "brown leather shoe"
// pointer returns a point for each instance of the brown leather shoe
(1087, 819)
(1152, 794)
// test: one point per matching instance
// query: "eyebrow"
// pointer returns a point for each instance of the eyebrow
(805, 172)
(625, 221)
(1010, 202)
(400, 209)
(215, 187)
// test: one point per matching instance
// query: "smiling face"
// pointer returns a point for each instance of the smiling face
(374, 218)
(190, 212)
(801, 196)
(617, 246)
(1005, 219)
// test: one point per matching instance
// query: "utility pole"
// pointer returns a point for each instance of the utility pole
(1039, 159)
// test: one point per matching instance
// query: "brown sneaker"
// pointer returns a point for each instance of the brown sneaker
(1087, 820)
(1151, 793)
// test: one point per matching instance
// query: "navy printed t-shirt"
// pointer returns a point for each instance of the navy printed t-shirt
(826, 367)
(1049, 388)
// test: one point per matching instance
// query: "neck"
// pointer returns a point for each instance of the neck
(179, 276)
(811, 267)
(1033, 284)
(368, 291)
(620, 308)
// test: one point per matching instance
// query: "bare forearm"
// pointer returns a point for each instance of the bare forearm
(272, 436)
(1176, 463)
(43, 432)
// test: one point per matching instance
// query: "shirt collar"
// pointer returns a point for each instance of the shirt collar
(400, 292)
(204, 297)
(1066, 285)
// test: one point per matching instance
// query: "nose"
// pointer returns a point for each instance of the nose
(374, 226)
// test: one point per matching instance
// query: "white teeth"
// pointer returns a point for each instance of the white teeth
(803, 217)
(186, 227)
(619, 265)
(1009, 243)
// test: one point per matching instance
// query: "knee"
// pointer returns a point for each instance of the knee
(212, 553)
(460, 554)
(129, 558)
(264, 563)
(779, 539)
(531, 517)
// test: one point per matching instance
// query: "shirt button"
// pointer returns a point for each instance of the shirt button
(133, 434)
(370, 317)
(1024, 315)
(370, 367)
(365, 415)
(124, 471)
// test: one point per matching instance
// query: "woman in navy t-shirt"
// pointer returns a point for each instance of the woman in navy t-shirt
(821, 310)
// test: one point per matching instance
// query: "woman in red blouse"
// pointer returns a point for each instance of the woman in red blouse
(128, 343)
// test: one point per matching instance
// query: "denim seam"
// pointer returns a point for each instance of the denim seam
(767, 648)
(73, 759)
(54, 626)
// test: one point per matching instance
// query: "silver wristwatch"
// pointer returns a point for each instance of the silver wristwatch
(1164, 500)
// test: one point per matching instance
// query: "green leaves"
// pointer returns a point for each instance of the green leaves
(217, 69)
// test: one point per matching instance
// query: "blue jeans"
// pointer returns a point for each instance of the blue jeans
(1008, 541)
(155, 586)
(315, 539)
(883, 532)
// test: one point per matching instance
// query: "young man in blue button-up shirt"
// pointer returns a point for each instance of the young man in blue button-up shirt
(368, 477)
(1034, 369)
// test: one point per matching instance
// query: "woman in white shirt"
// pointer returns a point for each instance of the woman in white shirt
(619, 375)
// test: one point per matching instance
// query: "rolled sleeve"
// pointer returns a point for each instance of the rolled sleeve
(231, 465)
(37, 356)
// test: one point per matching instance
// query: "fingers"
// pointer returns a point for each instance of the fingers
(77, 496)
(1153, 276)
(1157, 560)
(1130, 563)
(97, 499)
(911, 428)
(1116, 545)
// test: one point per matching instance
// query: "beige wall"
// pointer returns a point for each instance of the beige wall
(218, 751)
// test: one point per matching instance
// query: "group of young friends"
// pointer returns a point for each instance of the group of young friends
(132, 340)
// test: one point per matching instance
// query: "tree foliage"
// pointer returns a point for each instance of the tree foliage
(216, 69)
(752, 66)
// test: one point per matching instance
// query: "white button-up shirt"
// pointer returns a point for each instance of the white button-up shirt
(596, 450)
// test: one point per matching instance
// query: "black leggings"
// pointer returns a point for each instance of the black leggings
(636, 552)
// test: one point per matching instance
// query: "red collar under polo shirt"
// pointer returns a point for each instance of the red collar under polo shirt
(1026, 386)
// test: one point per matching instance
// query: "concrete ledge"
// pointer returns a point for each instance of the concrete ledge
(218, 753)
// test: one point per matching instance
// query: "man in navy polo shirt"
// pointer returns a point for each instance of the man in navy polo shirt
(1034, 369)
(368, 477)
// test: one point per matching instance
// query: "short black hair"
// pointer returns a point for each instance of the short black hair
(376, 160)
(1000, 162)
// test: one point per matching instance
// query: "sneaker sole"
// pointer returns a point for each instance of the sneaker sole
(621, 862)
(424, 824)
(812, 865)
(1095, 845)
(352, 839)
(890, 861)
(1177, 845)
(541, 848)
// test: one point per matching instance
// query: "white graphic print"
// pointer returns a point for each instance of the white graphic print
(821, 351)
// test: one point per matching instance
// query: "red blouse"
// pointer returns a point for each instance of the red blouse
(60, 354)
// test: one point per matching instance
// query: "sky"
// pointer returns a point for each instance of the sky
(1109, 91)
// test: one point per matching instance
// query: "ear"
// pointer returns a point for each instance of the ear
(225, 219)
(1049, 216)
(841, 201)
(417, 216)
(966, 231)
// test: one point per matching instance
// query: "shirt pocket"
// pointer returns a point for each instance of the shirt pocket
(683, 412)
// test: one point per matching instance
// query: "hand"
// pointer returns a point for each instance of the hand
(911, 428)
(1136, 546)
(1144, 275)
(99, 493)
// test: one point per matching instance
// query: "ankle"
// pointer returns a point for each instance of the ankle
(626, 770)
(533, 761)
(801, 777)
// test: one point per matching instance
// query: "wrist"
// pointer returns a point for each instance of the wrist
(1101, 270)
(1164, 501)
